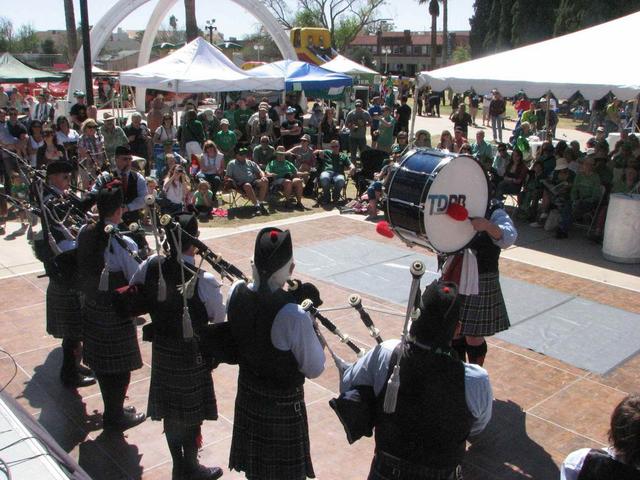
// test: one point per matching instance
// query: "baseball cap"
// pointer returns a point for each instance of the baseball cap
(224, 121)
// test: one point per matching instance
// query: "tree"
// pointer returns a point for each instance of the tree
(362, 55)
(343, 18)
(191, 23)
(479, 26)
(26, 40)
(504, 30)
(269, 54)
(445, 32)
(72, 34)
(461, 53)
(6, 35)
(578, 14)
(48, 47)
(434, 11)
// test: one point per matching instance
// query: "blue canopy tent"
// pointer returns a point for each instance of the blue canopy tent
(300, 75)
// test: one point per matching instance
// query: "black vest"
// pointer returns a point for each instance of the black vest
(166, 316)
(599, 465)
(92, 242)
(251, 315)
(487, 253)
(432, 420)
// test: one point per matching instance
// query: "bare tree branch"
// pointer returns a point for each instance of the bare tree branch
(280, 11)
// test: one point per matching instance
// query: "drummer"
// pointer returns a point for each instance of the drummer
(483, 311)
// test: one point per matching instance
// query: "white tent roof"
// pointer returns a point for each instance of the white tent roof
(342, 64)
(197, 67)
(594, 61)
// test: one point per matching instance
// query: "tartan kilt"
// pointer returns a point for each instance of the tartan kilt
(64, 311)
(486, 313)
(181, 387)
(110, 342)
(270, 433)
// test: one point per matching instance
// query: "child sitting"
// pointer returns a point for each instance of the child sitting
(203, 199)
(532, 192)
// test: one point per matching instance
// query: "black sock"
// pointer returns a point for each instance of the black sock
(114, 389)
(175, 436)
(190, 448)
(69, 347)
(460, 347)
(477, 353)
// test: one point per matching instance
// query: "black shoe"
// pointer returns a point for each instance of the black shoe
(300, 206)
(258, 210)
(77, 380)
(263, 209)
(128, 420)
(203, 473)
(84, 370)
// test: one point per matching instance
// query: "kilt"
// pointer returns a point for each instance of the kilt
(181, 387)
(110, 342)
(64, 311)
(270, 433)
(486, 313)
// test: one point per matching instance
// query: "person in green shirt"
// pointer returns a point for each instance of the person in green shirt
(385, 128)
(263, 153)
(230, 115)
(226, 140)
(585, 196)
(285, 175)
(332, 166)
(242, 116)
(114, 137)
(530, 115)
(191, 135)
(482, 151)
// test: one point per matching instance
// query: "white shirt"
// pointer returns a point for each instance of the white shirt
(162, 134)
(211, 164)
(117, 259)
(209, 290)
(71, 137)
(572, 465)
(174, 191)
(372, 369)
(292, 330)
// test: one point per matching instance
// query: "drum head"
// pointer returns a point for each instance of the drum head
(461, 181)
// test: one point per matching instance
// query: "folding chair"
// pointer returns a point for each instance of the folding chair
(235, 195)
(592, 216)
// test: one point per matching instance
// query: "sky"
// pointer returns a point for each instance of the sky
(231, 20)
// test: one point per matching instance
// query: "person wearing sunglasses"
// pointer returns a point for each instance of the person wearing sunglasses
(49, 151)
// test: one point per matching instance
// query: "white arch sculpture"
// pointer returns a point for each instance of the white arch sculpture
(123, 8)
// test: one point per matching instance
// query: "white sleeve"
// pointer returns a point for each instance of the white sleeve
(211, 295)
(479, 396)
(292, 329)
(570, 468)
(503, 221)
(121, 260)
(140, 276)
(371, 369)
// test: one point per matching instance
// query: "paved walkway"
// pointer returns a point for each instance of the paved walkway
(543, 407)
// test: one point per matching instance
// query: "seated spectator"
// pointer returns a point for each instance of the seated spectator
(603, 171)
(211, 166)
(226, 140)
(248, 178)
(333, 164)
(500, 161)
(482, 151)
(572, 161)
(328, 128)
(548, 158)
(556, 192)
(191, 135)
(381, 178)
(204, 199)
(166, 132)
(514, 176)
(316, 117)
(261, 126)
(290, 129)
(423, 139)
(621, 460)
(627, 184)
(284, 174)
(446, 141)
(574, 146)
(585, 195)
(50, 151)
(465, 149)
(175, 189)
(532, 192)
(402, 141)
(305, 161)
(458, 140)
(263, 153)
(621, 160)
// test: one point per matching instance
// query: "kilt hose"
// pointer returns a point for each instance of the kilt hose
(270, 433)
(110, 342)
(64, 311)
(181, 389)
(486, 313)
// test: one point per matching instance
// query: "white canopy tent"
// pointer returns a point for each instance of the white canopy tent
(342, 64)
(593, 61)
(197, 67)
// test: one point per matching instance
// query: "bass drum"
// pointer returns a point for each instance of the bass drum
(421, 189)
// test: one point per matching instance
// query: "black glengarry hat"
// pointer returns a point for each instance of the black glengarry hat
(110, 197)
(59, 166)
(439, 314)
(273, 250)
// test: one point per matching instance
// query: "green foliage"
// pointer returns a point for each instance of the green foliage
(22, 41)
(345, 32)
(479, 26)
(359, 53)
(48, 46)
(270, 53)
(308, 18)
(461, 54)
(573, 15)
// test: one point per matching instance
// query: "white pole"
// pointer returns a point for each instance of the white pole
(413, 115)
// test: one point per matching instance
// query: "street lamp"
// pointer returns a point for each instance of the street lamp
(257, 47)
(211, 28)
(386, 50)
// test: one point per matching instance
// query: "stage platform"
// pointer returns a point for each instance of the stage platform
(545, 405)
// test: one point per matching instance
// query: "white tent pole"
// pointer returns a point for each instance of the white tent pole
(634, 114)
(413, 116)
(546, 117)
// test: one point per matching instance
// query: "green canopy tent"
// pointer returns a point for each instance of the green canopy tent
(13, 70)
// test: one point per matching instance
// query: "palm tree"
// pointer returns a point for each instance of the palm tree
(445, 33)
(434, 11)
(72, 35)
(190, 19)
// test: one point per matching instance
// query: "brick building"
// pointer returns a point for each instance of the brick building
(408, 52)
